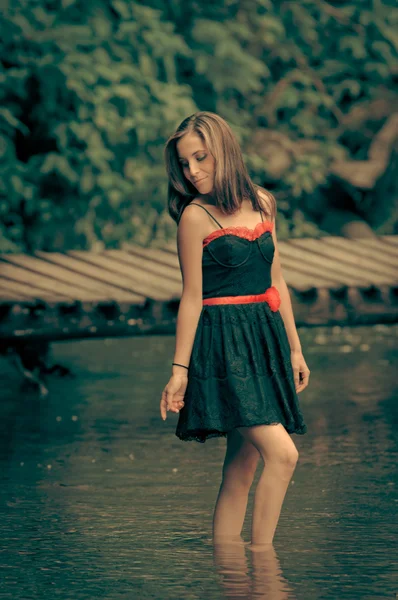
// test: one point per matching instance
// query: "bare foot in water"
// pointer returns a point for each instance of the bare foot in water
(260, 547)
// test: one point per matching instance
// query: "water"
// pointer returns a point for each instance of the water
(99, 498)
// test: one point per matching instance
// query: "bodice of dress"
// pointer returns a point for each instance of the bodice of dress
(237, 260)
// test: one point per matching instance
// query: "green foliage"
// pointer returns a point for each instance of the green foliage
(87, 106)
(90, 91)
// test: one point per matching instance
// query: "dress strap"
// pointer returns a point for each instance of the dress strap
(207, 213)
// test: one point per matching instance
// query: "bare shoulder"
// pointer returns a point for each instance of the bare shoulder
(189, 248)
(267, 201)
(192, 212)
(193, 221)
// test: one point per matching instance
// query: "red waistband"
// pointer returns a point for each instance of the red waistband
(271, 295)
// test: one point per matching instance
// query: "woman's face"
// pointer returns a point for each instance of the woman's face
(197, 163)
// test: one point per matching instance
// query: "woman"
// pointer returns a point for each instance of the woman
(238, 364)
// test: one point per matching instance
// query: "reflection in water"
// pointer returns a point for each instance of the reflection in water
(268, 580)
(232, 567)
(100, 500)
(265, 582)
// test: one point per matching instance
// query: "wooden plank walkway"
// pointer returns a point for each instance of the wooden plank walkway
(136, 290)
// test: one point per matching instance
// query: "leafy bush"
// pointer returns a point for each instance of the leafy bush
(91, 90)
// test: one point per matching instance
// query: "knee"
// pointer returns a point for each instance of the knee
(285, 459)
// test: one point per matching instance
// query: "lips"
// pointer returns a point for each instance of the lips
(199, 180)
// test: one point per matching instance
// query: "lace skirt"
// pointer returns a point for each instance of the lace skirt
(240, 372)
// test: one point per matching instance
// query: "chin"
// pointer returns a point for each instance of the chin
(205, 189)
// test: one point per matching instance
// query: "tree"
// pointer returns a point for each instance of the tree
(89, 95)
(91, 91)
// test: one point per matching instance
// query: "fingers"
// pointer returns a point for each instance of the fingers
(175, 409)
(168, 403)
(304, 381)
(164, 405)
(175, 406)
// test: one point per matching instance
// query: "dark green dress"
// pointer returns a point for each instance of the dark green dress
(240, 372)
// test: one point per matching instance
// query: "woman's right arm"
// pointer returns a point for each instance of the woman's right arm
(190, 234)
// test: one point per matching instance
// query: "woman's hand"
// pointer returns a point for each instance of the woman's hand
(300, 370)
(173, 394)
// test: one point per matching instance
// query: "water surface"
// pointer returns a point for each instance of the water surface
(99, 498)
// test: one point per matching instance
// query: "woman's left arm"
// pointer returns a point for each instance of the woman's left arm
(300, 368)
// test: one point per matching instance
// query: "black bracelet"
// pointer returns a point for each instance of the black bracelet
(178, 365)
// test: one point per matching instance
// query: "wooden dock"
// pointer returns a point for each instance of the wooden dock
(136, 290)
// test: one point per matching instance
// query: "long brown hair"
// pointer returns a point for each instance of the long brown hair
(231, 183)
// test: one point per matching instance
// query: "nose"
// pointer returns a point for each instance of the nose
(194, 170)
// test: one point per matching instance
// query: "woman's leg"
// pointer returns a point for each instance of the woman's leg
(280, 456)
(240, 463)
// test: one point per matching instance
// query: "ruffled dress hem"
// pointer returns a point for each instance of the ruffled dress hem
(200, 435)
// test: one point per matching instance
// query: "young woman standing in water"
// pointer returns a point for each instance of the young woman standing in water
(238, 364)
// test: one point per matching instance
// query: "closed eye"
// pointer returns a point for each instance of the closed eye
(199, 159)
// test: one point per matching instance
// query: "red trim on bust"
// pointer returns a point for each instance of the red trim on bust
(271, 295)
(242, 232)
